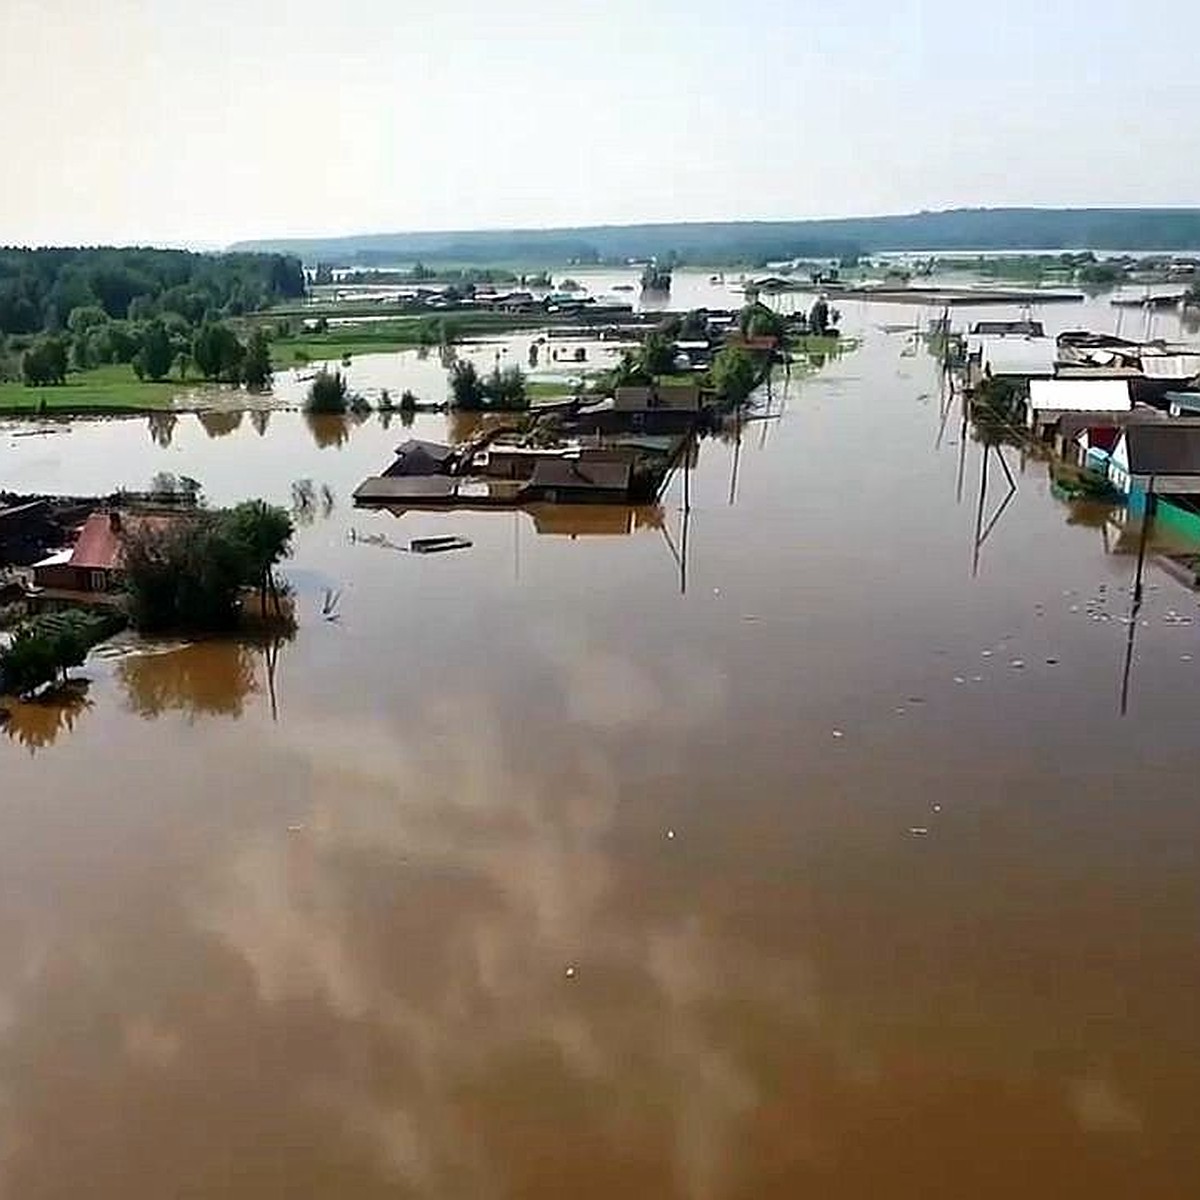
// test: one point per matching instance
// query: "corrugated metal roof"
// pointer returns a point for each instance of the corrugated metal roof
(1024, 357)
(1080, 395)
(1171, 366)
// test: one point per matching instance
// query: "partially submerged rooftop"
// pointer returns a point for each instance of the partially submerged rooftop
(1164, 448)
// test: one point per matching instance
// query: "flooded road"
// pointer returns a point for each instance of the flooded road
(796, 848)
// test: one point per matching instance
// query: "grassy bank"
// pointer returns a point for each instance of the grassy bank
(113, 388)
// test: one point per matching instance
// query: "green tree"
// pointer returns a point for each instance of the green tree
(185, 576)
(757, 320)
(818, 318)
(263, 534)
(156, 354)
(27, 663)
(46, 648)
(45, 363)
(217, 353)
(466, 387)
(256, 367)
(328, 393)
(694, 326)
(505, 389)
(657, 354)
(629, 372)
(733, 375)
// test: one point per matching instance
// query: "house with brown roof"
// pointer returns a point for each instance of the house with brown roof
(680, 397)
(569, 481)
(1157, 456)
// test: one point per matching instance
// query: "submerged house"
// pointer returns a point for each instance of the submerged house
(93, 565)
(684, 397)
(416, 457)
(1014, 357)
(1157, 456)
(567, 481)
(1052, 399)
(1022, 328)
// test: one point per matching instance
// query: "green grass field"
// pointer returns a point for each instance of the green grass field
(335, 344)
(112, 388)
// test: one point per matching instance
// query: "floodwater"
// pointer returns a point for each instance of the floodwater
(793, 847)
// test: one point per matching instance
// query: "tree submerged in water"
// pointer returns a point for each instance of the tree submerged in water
(190, 573)
(46, 648)
(328, 393)
(502, 389)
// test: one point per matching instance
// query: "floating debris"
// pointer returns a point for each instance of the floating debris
(570, 972)
(436, 545)
(670, 835)
(837, 733)
(1052, 662)
(986, 653)
(919, 830)
(937, 808)
(1017, 664)
(959, 679)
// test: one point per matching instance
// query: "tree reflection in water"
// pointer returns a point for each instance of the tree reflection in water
(162, 428)
(36, 724)
(328, 429)
(210, 678)
(219, 424)
(310, 502)
(260, 418)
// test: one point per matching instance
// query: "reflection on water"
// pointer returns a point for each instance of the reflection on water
(221, 423)
(209, 678)
(310, 501)
(162, 427)
(583, 520)
(260, 418)
(36, 724)
(328, 429)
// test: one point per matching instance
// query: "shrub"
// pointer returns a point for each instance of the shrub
(328, 393)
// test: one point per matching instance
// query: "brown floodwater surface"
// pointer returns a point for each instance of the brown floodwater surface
(796, 848)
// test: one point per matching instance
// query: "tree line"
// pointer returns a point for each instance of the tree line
(153, 348)
(39, 289)
(75, 309)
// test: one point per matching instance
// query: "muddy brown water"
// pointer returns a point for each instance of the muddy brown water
(538, 873)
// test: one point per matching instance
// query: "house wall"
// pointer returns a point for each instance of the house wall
(1168, 518)
(74, 579)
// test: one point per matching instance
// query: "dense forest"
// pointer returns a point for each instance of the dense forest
(40, 288)
(739, 242)
(83, 308)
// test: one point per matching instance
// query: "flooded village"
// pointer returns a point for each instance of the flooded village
(783, 781)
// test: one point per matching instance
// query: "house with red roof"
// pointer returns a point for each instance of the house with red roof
(93, 564)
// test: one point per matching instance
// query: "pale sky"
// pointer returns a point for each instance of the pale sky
(206, 121)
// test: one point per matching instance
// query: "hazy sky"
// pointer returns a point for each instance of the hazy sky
(211, 120)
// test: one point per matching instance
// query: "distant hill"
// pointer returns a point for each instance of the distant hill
(755, 241)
